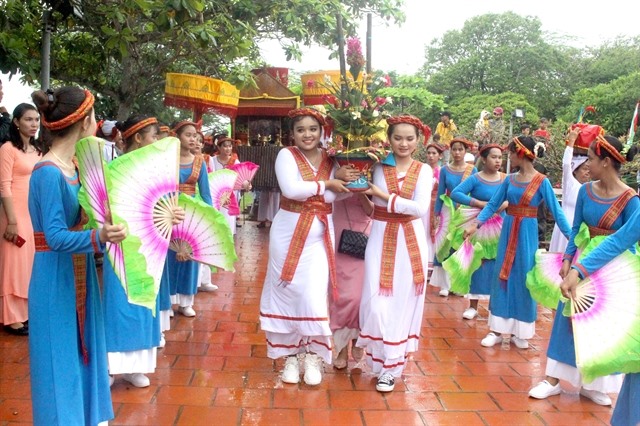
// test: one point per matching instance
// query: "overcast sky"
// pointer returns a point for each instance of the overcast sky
(401, 48)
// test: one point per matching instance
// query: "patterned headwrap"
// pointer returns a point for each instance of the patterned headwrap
(410, 119)
(601, 142)
(437, 147)
(180, 125)
(139, 126)
(225, 139)
(308, 112)
(522, 150)
(490, 146)
(466, 142)
(74, 117)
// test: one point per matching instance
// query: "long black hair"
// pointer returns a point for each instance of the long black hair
(14, 133)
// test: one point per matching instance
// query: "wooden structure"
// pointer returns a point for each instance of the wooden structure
(201, 94)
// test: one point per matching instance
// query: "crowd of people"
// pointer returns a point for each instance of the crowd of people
(321, 300)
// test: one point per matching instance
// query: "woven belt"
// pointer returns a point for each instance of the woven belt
(522, 211)
(188, 188)
(314, 207)
(381, 214)
(596, 232)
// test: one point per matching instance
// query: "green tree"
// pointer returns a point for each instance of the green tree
(410, 96)
(123, 48)
(497, 53)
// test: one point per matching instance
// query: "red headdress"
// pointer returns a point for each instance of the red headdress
(466, 142)
(74, 117)
(522, 150)
(437, 147)
(490, 146)
(226, 139)
(183, 123)
(139, 126)
(310, 112)
(601, 142)
(414, 121)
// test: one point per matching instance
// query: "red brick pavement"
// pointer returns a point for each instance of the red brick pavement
(214, 371)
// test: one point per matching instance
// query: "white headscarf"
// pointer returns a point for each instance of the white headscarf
(577, 161)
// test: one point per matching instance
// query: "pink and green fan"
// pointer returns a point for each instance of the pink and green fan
(143, 187)
(204, 235)
(221, 185)
(246, 172)
(543, 281)
(442, 243)
(488, 236)
(462, 217)
(93, 196)
(605, 317)
(462, 264)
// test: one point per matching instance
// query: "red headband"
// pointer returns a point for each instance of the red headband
(523, 150)
(181, 124)
(165, 129)
(490, 146)
(410, 119)
(233, 141)
(139, 126)
(308, 112)
(73, 118)
(436, 146)
(602, 142)
(467, 143)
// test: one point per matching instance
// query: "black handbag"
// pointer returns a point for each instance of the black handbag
(352, 243)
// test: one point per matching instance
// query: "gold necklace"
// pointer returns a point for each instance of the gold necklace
(70, 167)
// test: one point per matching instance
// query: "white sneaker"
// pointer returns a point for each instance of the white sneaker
(163, 341)
(520, 343)
(187, 311)
(312, 369)
(291, 372)
(544, 389)
(598, 397)
(470, 313)
(171, 313)
(491, 340)
(208, 287)
(444, 292)
(138, 380)
(385, 383)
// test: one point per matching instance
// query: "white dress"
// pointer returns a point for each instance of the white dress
(295, 315)
(570, 188)
(390, 325)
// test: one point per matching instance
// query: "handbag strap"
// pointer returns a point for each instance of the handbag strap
(346, 210)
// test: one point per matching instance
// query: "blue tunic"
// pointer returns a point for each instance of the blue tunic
(64, 390)
(589, 209)
(511, 299)
(183, 276)
(449, 179)
(483, 190)
(627, 411)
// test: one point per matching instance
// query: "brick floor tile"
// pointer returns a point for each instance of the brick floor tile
(470, 401)
(295, 398)
(313, 417)
(271, 417)
(235, 397)
(415, 401)
(511, 418)
(384, 418)
(184, 395)
(15, 410)
(357, 399)
(562, 418)
(431, 383)
(520, 401)
(481, 384)
(123, 391)
(207, 416)
(217, 379)
(146, 414)
(452, 418)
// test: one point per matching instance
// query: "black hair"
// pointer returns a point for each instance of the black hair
(447, 113)
(14, 133)
(529, 143)
(525, 126)
(181, 129)
(485, 153)
(294, 120)
(618, 146)
(129, 123)
(58, 104)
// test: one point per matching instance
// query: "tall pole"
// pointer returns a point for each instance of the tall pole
(510, 139)
(369, 34)
(46, 50)
(343, 64)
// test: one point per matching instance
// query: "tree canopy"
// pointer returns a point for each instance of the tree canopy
(123, 48)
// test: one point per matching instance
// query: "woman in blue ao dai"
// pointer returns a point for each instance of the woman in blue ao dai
(512, 310)
(604, 205)
(450, 176)
(68, 362)
(476, 191)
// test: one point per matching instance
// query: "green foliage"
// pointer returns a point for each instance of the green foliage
(410, 96)
(123, 48)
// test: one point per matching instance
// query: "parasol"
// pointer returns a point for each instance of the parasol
(201, 94)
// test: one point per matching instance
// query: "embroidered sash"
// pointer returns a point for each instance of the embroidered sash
(432, 211)
(519, 212)
(605, 224)
(312, 207)
(80, 274)
(189, 186)
(394, 221)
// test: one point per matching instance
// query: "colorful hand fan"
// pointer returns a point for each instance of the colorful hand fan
(606, 319)
(461, 219)
(143, 185)
(488, 236)
(221, 184)
(246, 171)
(204, 235)
(441, 244)
(462, 264)
(93, 195)
(543, 281)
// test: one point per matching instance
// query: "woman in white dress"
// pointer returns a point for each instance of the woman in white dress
(396, 259)
(294, 309)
